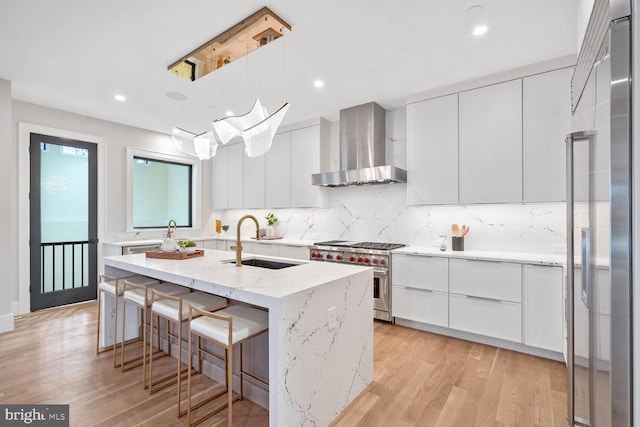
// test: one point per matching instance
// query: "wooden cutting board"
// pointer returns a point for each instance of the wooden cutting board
(176, 255)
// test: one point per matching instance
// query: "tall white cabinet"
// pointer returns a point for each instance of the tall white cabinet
(235, 180)
(220, 178)
(254, 185)
(547, 120)
(279, 179)
(432, 156)
(490, 161)
(500, 143)
(305, 161)
(278, 172)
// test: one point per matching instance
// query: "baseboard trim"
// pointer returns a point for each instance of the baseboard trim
(482, 339)
(6, 323)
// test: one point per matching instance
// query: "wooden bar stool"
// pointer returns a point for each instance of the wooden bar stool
(175, 309)
(226, 328)
(112, 286)
(140, 296)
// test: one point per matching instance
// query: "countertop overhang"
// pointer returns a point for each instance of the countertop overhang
(254, 285)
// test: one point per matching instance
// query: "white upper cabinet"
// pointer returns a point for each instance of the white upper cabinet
(305, 161)
(490, 144)
(278, 172)
(547, 121)
(253, 182)
(236, 176)
(432, 151)
(279, 179)
(220, 185)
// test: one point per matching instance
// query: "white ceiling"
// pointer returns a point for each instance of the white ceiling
(75, 55)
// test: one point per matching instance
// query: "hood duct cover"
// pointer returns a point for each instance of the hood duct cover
(362, 150)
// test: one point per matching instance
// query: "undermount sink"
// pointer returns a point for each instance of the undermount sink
(265, 263)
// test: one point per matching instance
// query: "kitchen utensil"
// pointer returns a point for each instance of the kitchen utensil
(465, 230)
(454, 228)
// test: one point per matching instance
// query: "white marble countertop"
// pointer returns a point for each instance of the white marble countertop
(520, 257)
(254, 285)
(289, 242)
(134, 242)
(229, 237)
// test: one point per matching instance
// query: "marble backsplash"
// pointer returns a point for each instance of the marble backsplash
(380, 213)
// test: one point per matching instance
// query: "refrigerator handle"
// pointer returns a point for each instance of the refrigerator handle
(586, 268)
(570, 306)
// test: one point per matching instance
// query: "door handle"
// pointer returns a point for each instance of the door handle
(93, 241)
(585, 282)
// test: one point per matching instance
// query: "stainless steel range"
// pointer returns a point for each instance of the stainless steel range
(372, 254)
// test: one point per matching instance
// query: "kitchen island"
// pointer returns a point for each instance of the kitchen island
(320, 325)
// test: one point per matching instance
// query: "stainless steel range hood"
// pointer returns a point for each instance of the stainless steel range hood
(362, 150)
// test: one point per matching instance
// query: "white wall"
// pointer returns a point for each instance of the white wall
(117, 138)
(8, 212)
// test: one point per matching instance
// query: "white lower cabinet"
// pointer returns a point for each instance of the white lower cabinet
(265, 249)
(415, 271)
(294, 252)
(420, 290)
(493, 318)
(487, 279)
(543, 307)
(220, 245)
(421, 305)
(510, 301)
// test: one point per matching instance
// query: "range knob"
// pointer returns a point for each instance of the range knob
(329, 256)
(352, 259)
(382, 262)
(374, 261)
(338, 257)
(313, 254)
(359, 259)
(366, 260)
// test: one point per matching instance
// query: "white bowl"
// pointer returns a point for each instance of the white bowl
(188, 250)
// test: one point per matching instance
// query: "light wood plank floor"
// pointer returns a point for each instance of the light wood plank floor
(420, 379)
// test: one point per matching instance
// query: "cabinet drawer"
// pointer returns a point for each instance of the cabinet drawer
(421, 272)
(487, 279)
(420, 305)
(499, 319)
(295, 252)
(265, 249)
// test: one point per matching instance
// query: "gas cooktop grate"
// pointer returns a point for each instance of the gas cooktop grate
(361, 245)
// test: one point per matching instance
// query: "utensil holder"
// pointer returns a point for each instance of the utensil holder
(457, 243)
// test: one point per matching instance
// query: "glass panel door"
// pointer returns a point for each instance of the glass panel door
(63, 221)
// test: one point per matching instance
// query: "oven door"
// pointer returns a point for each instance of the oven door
(381, 300)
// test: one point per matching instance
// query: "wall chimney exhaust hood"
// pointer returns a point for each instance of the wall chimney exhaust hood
(362, 150)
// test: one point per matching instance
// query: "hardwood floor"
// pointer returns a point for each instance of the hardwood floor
(420, 379)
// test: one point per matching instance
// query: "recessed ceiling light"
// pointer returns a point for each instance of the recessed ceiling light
(229, 113)
(120, 98)
(480, 30)
(176, 96)
(318, 83)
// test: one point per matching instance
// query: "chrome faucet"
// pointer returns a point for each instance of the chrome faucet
(238, 246)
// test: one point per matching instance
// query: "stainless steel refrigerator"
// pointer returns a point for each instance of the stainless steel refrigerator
(599, 243)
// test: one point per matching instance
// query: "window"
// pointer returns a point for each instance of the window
(161, 188)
